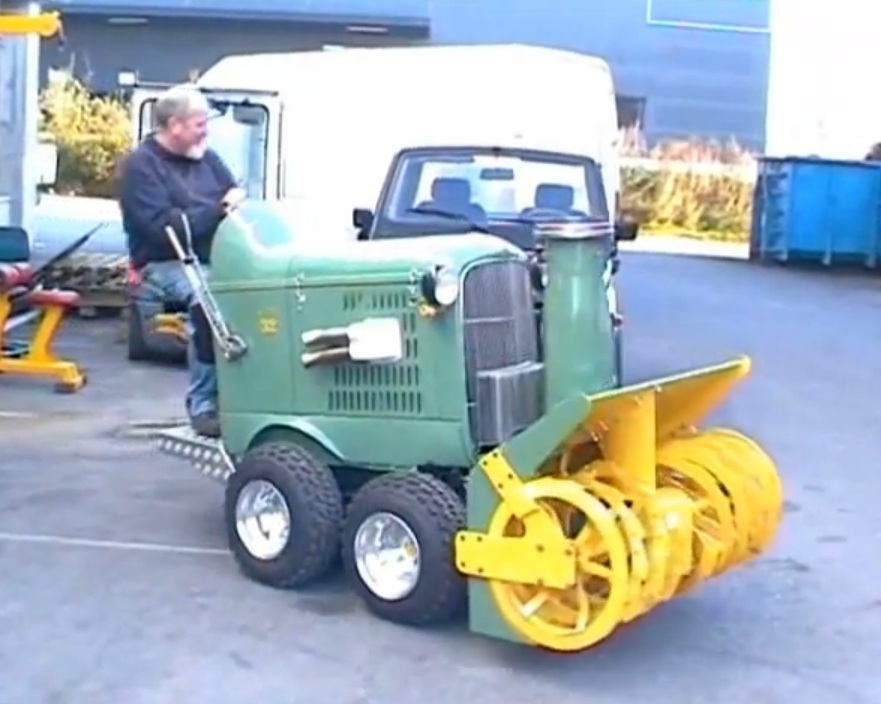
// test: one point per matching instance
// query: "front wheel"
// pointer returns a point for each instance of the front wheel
(398, 548)
(283, 513)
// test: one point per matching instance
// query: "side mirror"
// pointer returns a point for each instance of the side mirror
(626, 231)
(250, 115)
(362, 219)
(47, 165)
(15, 245)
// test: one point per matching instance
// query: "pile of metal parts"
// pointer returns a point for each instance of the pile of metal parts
(100, 279)
(98, 270)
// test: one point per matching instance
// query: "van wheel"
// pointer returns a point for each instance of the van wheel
(398, 548)
(283, 513)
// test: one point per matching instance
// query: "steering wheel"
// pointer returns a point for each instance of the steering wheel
(545, 214)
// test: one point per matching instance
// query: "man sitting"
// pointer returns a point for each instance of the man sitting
(173, 173)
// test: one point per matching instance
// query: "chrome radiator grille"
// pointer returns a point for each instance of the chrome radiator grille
(504, 374)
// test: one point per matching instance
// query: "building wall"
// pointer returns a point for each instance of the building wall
(694, 68)
(166, 51)
(395, 12)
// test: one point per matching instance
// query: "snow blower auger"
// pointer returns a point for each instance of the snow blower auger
(409, 404)
(611, 505)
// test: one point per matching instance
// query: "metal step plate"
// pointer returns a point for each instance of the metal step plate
(206, 454)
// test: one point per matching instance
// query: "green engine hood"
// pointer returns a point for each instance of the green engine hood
(260, 247)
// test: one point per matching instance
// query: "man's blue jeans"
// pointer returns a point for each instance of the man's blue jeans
(169, 277)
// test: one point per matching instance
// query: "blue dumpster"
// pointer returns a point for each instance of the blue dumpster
(817, 210)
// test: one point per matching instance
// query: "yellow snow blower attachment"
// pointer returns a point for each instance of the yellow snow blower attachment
(633, 507)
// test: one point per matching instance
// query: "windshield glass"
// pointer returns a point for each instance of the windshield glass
(486, 186)
(239, 134)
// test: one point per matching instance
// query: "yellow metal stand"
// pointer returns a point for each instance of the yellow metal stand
(39, 360)
(46, 24)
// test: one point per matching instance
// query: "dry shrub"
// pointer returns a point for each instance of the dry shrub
(91, 134)
(694, 187)
(716, 206)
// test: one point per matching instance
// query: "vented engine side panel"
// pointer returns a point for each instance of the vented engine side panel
(379, 390)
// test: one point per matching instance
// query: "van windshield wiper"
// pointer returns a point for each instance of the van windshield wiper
(450, 215)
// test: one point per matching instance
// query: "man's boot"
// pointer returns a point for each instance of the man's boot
(207, 424)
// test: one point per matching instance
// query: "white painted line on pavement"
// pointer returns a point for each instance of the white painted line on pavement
(61, 541)
(15, 415)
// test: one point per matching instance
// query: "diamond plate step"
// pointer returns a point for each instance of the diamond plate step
(206, 454)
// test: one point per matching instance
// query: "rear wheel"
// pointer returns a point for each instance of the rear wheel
(398, 548)
(283, 514)
(138, 350)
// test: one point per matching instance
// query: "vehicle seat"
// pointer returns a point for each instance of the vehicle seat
(454, 196)
(555, 196)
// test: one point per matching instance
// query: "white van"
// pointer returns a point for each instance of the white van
(321, 128)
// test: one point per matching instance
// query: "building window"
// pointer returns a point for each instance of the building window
(631, 112)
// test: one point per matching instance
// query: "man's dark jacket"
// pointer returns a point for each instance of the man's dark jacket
(156, 187)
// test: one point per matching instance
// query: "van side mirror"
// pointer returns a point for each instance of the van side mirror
(47, 166)
(15, 245)
(251, 115)
(362, 219)
(626, 231)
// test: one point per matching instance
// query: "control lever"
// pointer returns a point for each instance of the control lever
(232, 346)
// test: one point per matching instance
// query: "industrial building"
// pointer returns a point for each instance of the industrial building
(682, 67)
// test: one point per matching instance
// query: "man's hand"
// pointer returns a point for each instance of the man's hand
(233, 199)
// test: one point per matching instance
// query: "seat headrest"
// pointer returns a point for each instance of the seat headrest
(451, 190)
(555, 196)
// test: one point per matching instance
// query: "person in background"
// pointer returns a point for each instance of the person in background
(173, 173)
(874, 153)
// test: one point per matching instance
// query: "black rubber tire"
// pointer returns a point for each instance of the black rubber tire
(316, 507)
(434, 513)
(138, 350)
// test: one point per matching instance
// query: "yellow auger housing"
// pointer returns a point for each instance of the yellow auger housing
(635, 506)
(45, 24)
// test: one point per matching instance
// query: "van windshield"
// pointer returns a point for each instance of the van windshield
(238, 133)
(486, 186)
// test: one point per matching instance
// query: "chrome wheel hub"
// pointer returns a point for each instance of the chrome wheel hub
(263, 519)
(387, 556)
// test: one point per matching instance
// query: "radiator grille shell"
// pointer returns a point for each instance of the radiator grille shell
(503, 370)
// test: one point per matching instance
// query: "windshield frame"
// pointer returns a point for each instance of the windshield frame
(386, 225)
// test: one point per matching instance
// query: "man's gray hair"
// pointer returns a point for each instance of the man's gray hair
(178, 102)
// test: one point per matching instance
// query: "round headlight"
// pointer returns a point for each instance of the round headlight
(441, 286)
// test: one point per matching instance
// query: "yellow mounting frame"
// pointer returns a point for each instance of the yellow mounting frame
(46, 24)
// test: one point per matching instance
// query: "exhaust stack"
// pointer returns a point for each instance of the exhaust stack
(577, 330)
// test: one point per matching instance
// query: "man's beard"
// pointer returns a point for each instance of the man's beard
(197, 151)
